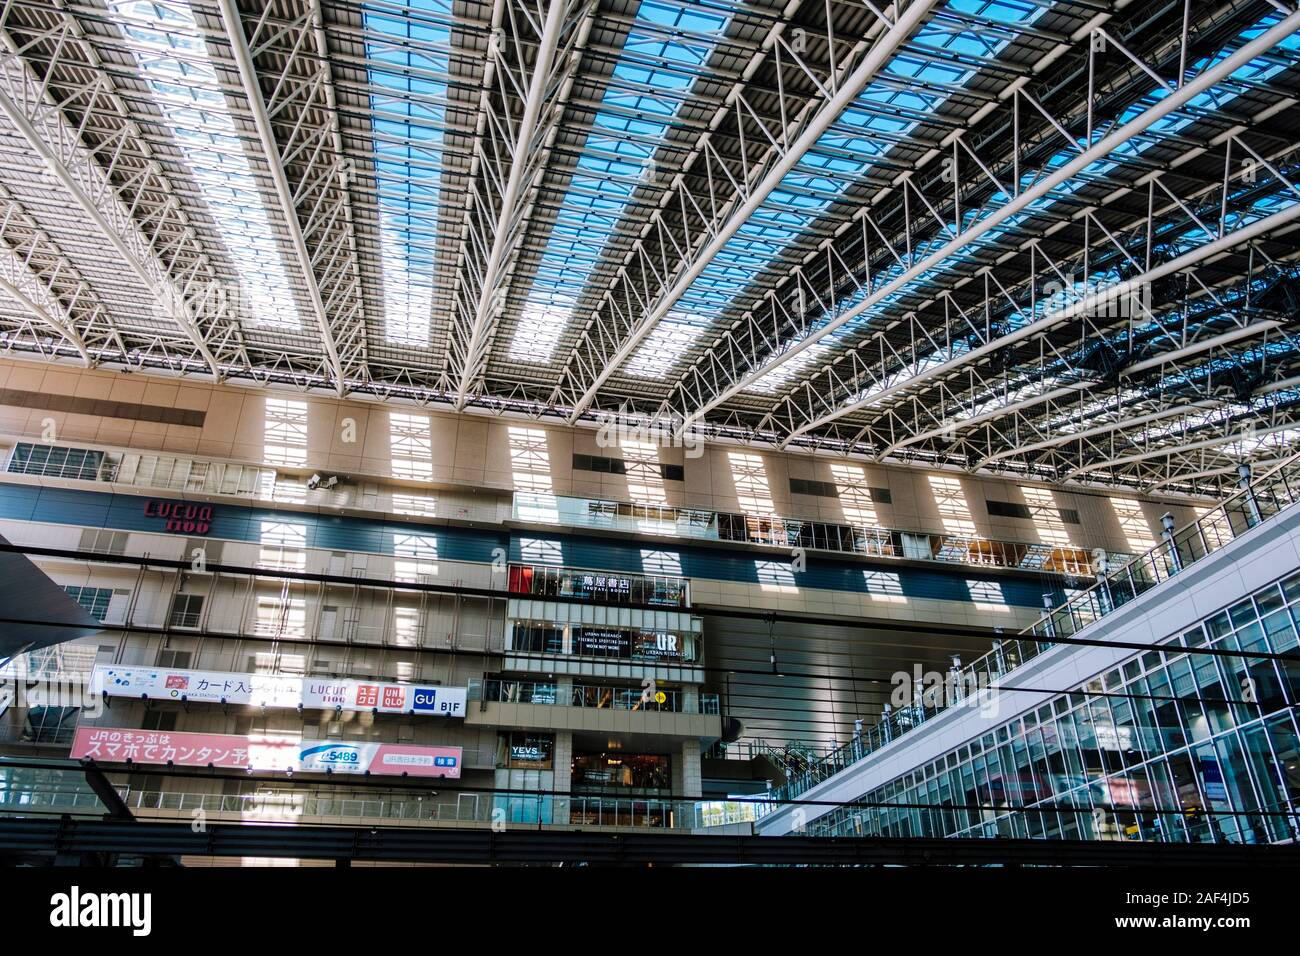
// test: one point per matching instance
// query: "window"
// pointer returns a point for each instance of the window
(170, 657)
(616, 466)
(55, 461)
(881, 496)
(1008, 509)
(164, 720)
(284, 435)
(599, 464)
(103, 541)
(187, 610)
(1069, 516)
(94, 600)
(50, 725)
(819, 489)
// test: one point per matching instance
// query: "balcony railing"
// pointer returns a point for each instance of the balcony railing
(1259, 500)
(543, 581)
(786, 533)
(468, 809)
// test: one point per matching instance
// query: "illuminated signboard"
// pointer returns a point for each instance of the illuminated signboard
(278, 690)
(263, 752)
(181, 516)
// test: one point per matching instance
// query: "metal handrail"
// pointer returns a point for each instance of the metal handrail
(782, 531)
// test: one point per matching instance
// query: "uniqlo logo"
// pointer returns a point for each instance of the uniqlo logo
(367, 695)
(394, 697)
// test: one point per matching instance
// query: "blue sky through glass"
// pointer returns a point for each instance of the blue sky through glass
(173, 56)
(408, 126)
(615, 157)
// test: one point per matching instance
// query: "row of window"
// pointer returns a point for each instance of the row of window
(617, 466)
(542, 581)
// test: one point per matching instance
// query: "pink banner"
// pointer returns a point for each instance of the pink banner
(263, 752)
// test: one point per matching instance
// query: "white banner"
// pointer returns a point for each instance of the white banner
(277, 690)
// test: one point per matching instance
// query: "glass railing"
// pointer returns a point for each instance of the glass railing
(543, 581)
(786, 533)
(598, 696)
(1262, 498)
(144, 470)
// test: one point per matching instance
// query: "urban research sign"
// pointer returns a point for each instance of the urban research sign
(262, 752)
(277, 690)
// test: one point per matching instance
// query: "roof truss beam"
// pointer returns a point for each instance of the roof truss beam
(310, 177)
(731, 202)
(510, 169)
(709, 383)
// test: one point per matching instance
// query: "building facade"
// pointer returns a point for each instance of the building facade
(553, 626)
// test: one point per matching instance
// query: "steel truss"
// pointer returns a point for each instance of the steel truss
(744, 357)
(909, 320)
(511, 155)
(120, 191)
(285, 73)
(786, 144)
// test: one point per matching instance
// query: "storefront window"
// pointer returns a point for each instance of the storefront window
(604, 586)
(520, 750)
(622, 771)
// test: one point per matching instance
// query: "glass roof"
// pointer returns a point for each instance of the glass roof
(645, 92)
(173, 57)
(409, 105)
(1256, 71)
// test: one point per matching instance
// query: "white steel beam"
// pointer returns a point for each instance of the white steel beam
(25, 286)
(1096, 303)
(1215, 442)
(114, 221)
(513, 199)
(1099, 150)
(999, 412)
(881, 52)
(243, 58)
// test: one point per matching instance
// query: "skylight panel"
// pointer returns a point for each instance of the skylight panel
(173, 58)
(618, 152)
(408, 151)
(702, 297)
(663, 348)
(821, 176)
(786, 372)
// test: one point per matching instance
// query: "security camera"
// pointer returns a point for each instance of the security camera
(313, 482)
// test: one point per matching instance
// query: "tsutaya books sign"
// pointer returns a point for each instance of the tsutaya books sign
(278, 690)
(262, 752)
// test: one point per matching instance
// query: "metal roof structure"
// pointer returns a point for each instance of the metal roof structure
(1046, 239)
